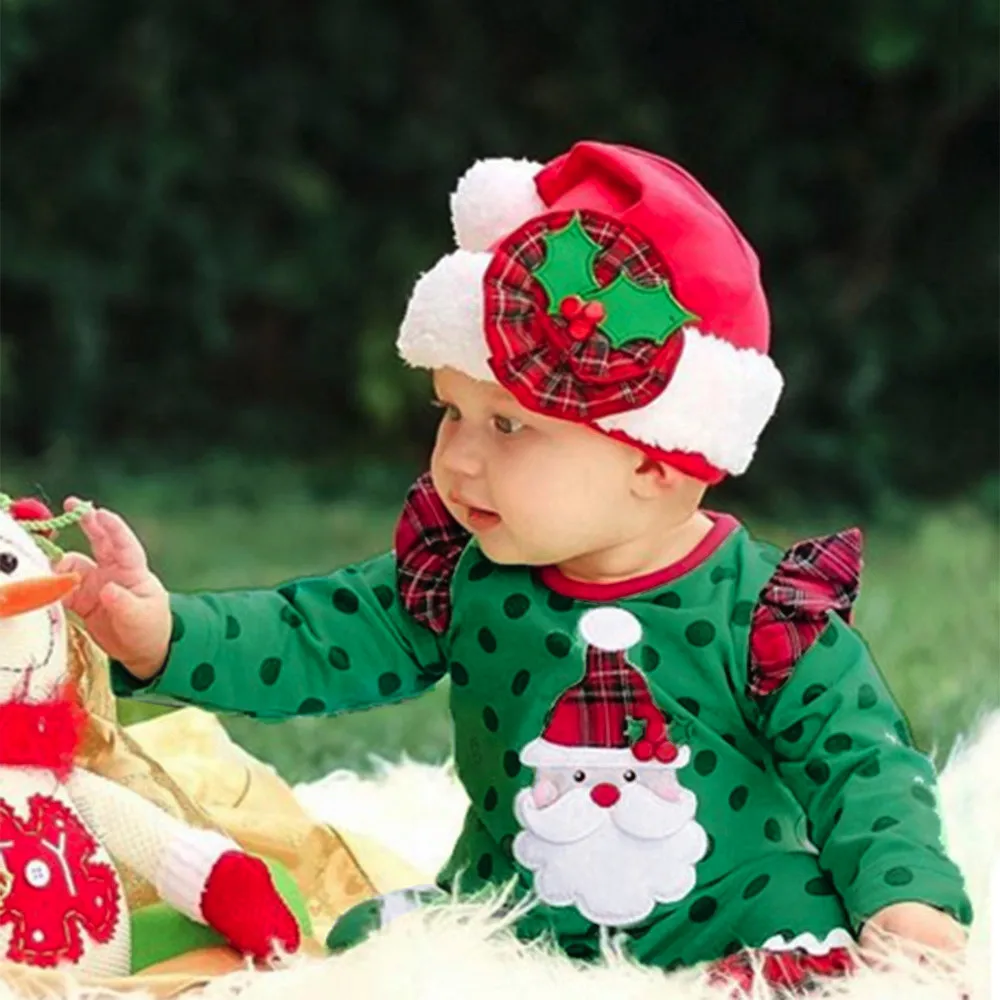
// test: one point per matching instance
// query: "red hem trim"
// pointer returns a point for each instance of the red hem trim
(553, 578)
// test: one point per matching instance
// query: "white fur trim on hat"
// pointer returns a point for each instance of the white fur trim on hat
(493, 198)
(716, 404)
(443, 325)
(543, 753)
(610, 629)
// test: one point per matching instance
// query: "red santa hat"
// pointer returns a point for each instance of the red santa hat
(606, 287)
(589, 724)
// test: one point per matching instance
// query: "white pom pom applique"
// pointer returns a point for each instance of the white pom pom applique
(610, 629)
(493, 198)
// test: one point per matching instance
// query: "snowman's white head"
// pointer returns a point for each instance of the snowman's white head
(33, 633)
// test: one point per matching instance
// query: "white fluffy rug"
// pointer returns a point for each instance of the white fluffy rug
(461, 952)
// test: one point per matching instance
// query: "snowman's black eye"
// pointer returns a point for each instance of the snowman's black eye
(580, 776)
(8, 562)
(629, 775)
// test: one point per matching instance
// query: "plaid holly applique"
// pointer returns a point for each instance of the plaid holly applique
(814, 577)
(565, 344)
(428, 545)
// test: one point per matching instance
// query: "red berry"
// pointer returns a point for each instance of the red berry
(643, 750)
(29, 509)
(570, 306)
(666, 752)
(595, 312)
(580, 329)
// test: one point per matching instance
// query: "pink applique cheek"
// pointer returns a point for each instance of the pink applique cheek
(544, 792)
(663, 783)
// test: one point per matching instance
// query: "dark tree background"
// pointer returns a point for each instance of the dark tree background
(212, 212)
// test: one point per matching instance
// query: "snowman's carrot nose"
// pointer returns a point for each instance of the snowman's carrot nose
(20, 596)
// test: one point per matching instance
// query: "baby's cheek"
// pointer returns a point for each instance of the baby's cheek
(544, 792)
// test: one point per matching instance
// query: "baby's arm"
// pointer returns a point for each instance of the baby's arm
(321, 645)
(842, 746)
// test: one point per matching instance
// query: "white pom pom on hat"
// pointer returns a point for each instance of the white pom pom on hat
(493, 198)
(609, 629)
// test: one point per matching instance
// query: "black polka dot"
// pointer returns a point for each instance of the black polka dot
(649, 658)
(516, 606)
(203, 677)
(742, 613)
(507, 845)
(703, 909)
(511, 763)
(898, 876)
(772, 830)
(690, 704)
(338, 658)
(291, 617)
(867, 698)
(480, 570)
(902, 732)
(269, 670)
(232, 628)
(459, 675)
(829, 636)
(490, 799)
(883, 823)
(558, 644)
(838, 743)
(756, 886)
(793, 733)
(738, 797)
(520, 683)
(871, 769)
(345, 601)
(384, 596)
(581, 950)
(177, 627)
(709, 848)
(721, 573)
(490, 719)
(812, 693)
(705, 762)
(312, 706)
(818, 771)
(485, 866)
(732, 948)
(668, 599)
(700, 633)
(923, 795)
(389, 683)
(559, 602)
(820, 886)
(487, 640)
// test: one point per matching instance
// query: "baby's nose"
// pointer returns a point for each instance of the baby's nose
(605, 795)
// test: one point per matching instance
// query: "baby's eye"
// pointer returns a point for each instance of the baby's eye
(507, 425)
(8, 562)
(451, 411)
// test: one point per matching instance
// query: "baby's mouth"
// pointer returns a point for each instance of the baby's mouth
(477, 518)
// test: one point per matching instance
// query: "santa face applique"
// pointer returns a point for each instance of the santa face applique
(607, 825)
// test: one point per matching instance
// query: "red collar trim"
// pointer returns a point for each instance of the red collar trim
(43, 734)
(722, 527)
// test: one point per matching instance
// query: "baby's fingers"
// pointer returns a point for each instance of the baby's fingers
(91, 526)
(83, 600)
(128, 550)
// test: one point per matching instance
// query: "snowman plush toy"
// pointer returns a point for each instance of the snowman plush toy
(62, 901)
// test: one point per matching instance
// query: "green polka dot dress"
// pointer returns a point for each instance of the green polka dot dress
(814, 809)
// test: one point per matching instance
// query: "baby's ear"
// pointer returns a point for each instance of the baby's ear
(653, 479)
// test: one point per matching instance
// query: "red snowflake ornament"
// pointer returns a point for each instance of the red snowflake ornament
(55, 889)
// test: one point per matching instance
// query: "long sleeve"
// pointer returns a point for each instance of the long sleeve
(842, 746)
(321, 645)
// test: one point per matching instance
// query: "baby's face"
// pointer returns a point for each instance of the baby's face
(532, 489)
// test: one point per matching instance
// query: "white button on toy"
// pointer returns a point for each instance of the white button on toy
(38, 874)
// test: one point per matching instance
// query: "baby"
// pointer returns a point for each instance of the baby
(668, 730)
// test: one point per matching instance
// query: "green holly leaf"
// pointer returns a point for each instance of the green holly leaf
(568, 268)
(635, 729)
(631, 311)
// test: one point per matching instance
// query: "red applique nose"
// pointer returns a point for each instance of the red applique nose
(605, 795)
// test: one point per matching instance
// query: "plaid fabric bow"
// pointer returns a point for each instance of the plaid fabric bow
(546, 358)
(815, 577)
(428, 544)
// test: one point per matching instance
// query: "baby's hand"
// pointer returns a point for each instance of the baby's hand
(914, 924)
(123, 605)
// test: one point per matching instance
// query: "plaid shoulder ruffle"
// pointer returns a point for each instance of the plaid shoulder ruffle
(428, 545)
(814, 577)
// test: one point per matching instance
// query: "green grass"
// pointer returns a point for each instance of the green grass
(929, 605)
